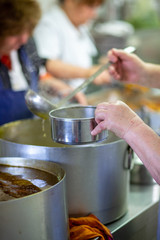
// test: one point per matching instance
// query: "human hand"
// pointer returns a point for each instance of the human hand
(79, 97)
(61, 89)
(126, 67)
(116, 117)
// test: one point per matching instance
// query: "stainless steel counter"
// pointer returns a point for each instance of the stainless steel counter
(140, 222)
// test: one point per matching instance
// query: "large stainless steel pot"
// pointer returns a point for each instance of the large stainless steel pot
(38, 216)
(97, 175)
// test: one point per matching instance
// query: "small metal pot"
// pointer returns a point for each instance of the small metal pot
(39, 216)
(73, 125)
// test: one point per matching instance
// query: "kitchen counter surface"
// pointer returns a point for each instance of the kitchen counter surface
(140, 222)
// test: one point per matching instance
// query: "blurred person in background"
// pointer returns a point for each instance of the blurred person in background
(63, 36)
(125, 123)
(20, 65)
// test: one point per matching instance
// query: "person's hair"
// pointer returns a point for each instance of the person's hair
(18, 16)
(87, 2)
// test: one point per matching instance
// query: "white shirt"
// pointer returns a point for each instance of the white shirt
(57, 38)
(17, 78)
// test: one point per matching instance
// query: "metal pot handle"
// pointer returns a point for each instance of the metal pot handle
(128, 163)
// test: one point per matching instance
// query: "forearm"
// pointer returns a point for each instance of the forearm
(152, 76)
(146, 144)
(63, 70)
(55, 83)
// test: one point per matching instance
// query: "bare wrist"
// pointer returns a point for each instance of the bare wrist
(134, 126)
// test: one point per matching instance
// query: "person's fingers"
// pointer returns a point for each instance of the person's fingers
(116, 55)
(100, 115)
(99, 128)
(113, 72)
(81, 98)
(103, 105)
(112, 57)
(120, 54)
(64, 92)
(103, 78)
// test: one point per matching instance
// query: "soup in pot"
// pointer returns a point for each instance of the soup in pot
(17, 182)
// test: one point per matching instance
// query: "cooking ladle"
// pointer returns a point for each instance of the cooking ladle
(41, 107)
(38, 105)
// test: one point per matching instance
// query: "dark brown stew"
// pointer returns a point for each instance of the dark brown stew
(17, 182)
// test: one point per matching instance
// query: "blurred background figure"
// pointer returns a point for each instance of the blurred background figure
(16, 56)
(63, 36)
(20, 65)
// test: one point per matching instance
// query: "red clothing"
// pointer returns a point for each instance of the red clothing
(5, 59)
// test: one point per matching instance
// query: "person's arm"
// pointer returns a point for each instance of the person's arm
(62, 70)
(126, 124)
(130, 68)
(153, 75)
(66, 71)
(146, 144)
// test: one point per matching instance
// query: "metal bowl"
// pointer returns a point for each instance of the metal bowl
(73, 125)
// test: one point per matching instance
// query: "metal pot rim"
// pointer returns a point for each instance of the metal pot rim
(68, 118)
